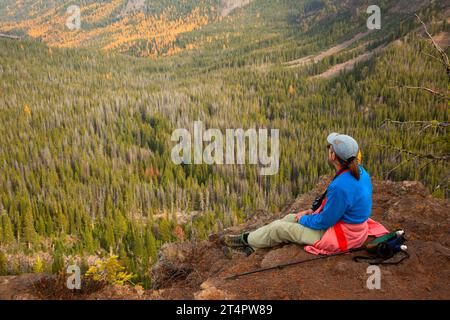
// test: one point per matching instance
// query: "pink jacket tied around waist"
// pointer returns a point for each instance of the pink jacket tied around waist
(343, 236)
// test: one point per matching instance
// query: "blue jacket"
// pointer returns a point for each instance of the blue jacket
(348, 199)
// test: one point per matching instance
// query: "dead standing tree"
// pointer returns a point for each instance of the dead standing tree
(7, 36)
(442, 57)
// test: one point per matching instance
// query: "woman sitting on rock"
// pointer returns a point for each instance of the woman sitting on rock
(341, 222)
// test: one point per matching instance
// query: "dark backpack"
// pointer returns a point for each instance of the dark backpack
(383, 249)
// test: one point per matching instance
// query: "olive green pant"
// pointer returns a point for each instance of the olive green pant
(285, 230)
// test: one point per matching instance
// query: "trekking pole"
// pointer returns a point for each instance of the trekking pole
(281, 266)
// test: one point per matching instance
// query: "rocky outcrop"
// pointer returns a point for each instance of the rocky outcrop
(396, 204)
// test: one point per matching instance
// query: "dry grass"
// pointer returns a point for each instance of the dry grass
(54, 288)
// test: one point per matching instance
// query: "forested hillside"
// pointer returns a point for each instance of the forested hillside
(144, 28)
(85, 145)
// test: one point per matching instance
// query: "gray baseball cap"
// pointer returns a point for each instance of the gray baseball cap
(344, 146)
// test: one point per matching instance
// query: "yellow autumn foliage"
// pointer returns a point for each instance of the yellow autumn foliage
(291, 90)
(26, 110)
(110, 270)
(38, 265)
(147, 35)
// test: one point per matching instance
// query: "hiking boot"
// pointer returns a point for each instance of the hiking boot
(229, 251)
(233, 241)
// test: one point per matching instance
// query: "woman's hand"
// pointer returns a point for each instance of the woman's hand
(303, 213)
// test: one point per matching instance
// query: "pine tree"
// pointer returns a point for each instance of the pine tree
(120, 225)
(150, 244)
(88, 240)
(1, 230)
(138, 243)
(29, 232)
(165, 230)
(8, 233)
(3, 264)
(58, 262)
(38, 265)
(110, 242)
